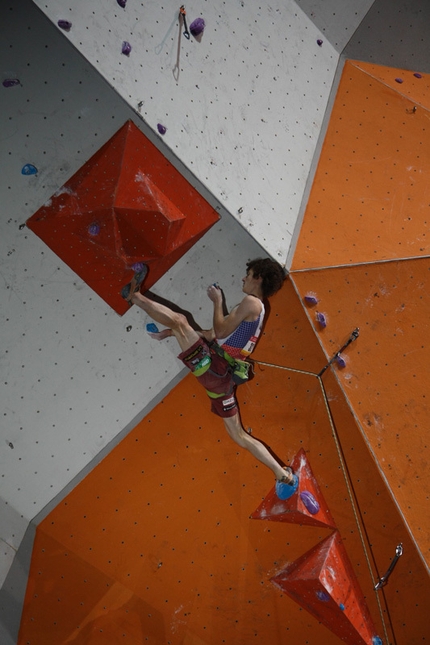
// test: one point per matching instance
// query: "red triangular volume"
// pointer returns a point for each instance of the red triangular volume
(126, 206)
(307, 506)
(323, 582)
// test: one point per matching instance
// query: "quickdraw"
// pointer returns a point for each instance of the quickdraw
(182, 16)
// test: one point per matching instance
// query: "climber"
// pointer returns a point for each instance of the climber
(209, 353)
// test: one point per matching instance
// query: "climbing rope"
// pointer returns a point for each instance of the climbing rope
(345, 473)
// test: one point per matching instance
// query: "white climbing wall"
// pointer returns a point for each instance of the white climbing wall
(243, 109)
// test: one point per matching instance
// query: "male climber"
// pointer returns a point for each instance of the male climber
(237, 334)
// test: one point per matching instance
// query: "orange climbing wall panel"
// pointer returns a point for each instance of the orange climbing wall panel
(386, 375)
(370, 199)
(156, 544)
(363, 253)
(126, 206)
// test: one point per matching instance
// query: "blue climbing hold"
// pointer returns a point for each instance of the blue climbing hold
(152, 328)
(29, 169)
(284, 490)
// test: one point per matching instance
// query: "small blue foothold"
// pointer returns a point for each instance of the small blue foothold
(29, 169)
(284, 490)
(152, 328)
(376, 640)
(342, 606)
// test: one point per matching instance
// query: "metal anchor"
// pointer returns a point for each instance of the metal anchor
(354, 335)
(383, 581)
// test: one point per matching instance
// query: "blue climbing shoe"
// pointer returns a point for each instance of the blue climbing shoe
(285, 490)
(134, 286)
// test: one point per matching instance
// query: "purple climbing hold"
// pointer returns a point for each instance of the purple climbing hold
(197, 27)
(310, 502)
(322, 595)
(29, 169)
(122, 3)
(126, 48)
(161, 128)
(319, 42)
(418, 75)
(341, 361)
(94, 229)
(11, 82)
(137, 267)
(321, 319)
(311, 298)
(399, 80)
(64, 24)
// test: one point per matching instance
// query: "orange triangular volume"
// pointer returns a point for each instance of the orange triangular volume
(323, 582)
(307, 506)
(126, 206)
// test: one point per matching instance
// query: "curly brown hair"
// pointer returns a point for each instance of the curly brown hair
(271, 272)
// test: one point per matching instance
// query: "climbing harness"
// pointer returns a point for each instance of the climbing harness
(240, 370)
